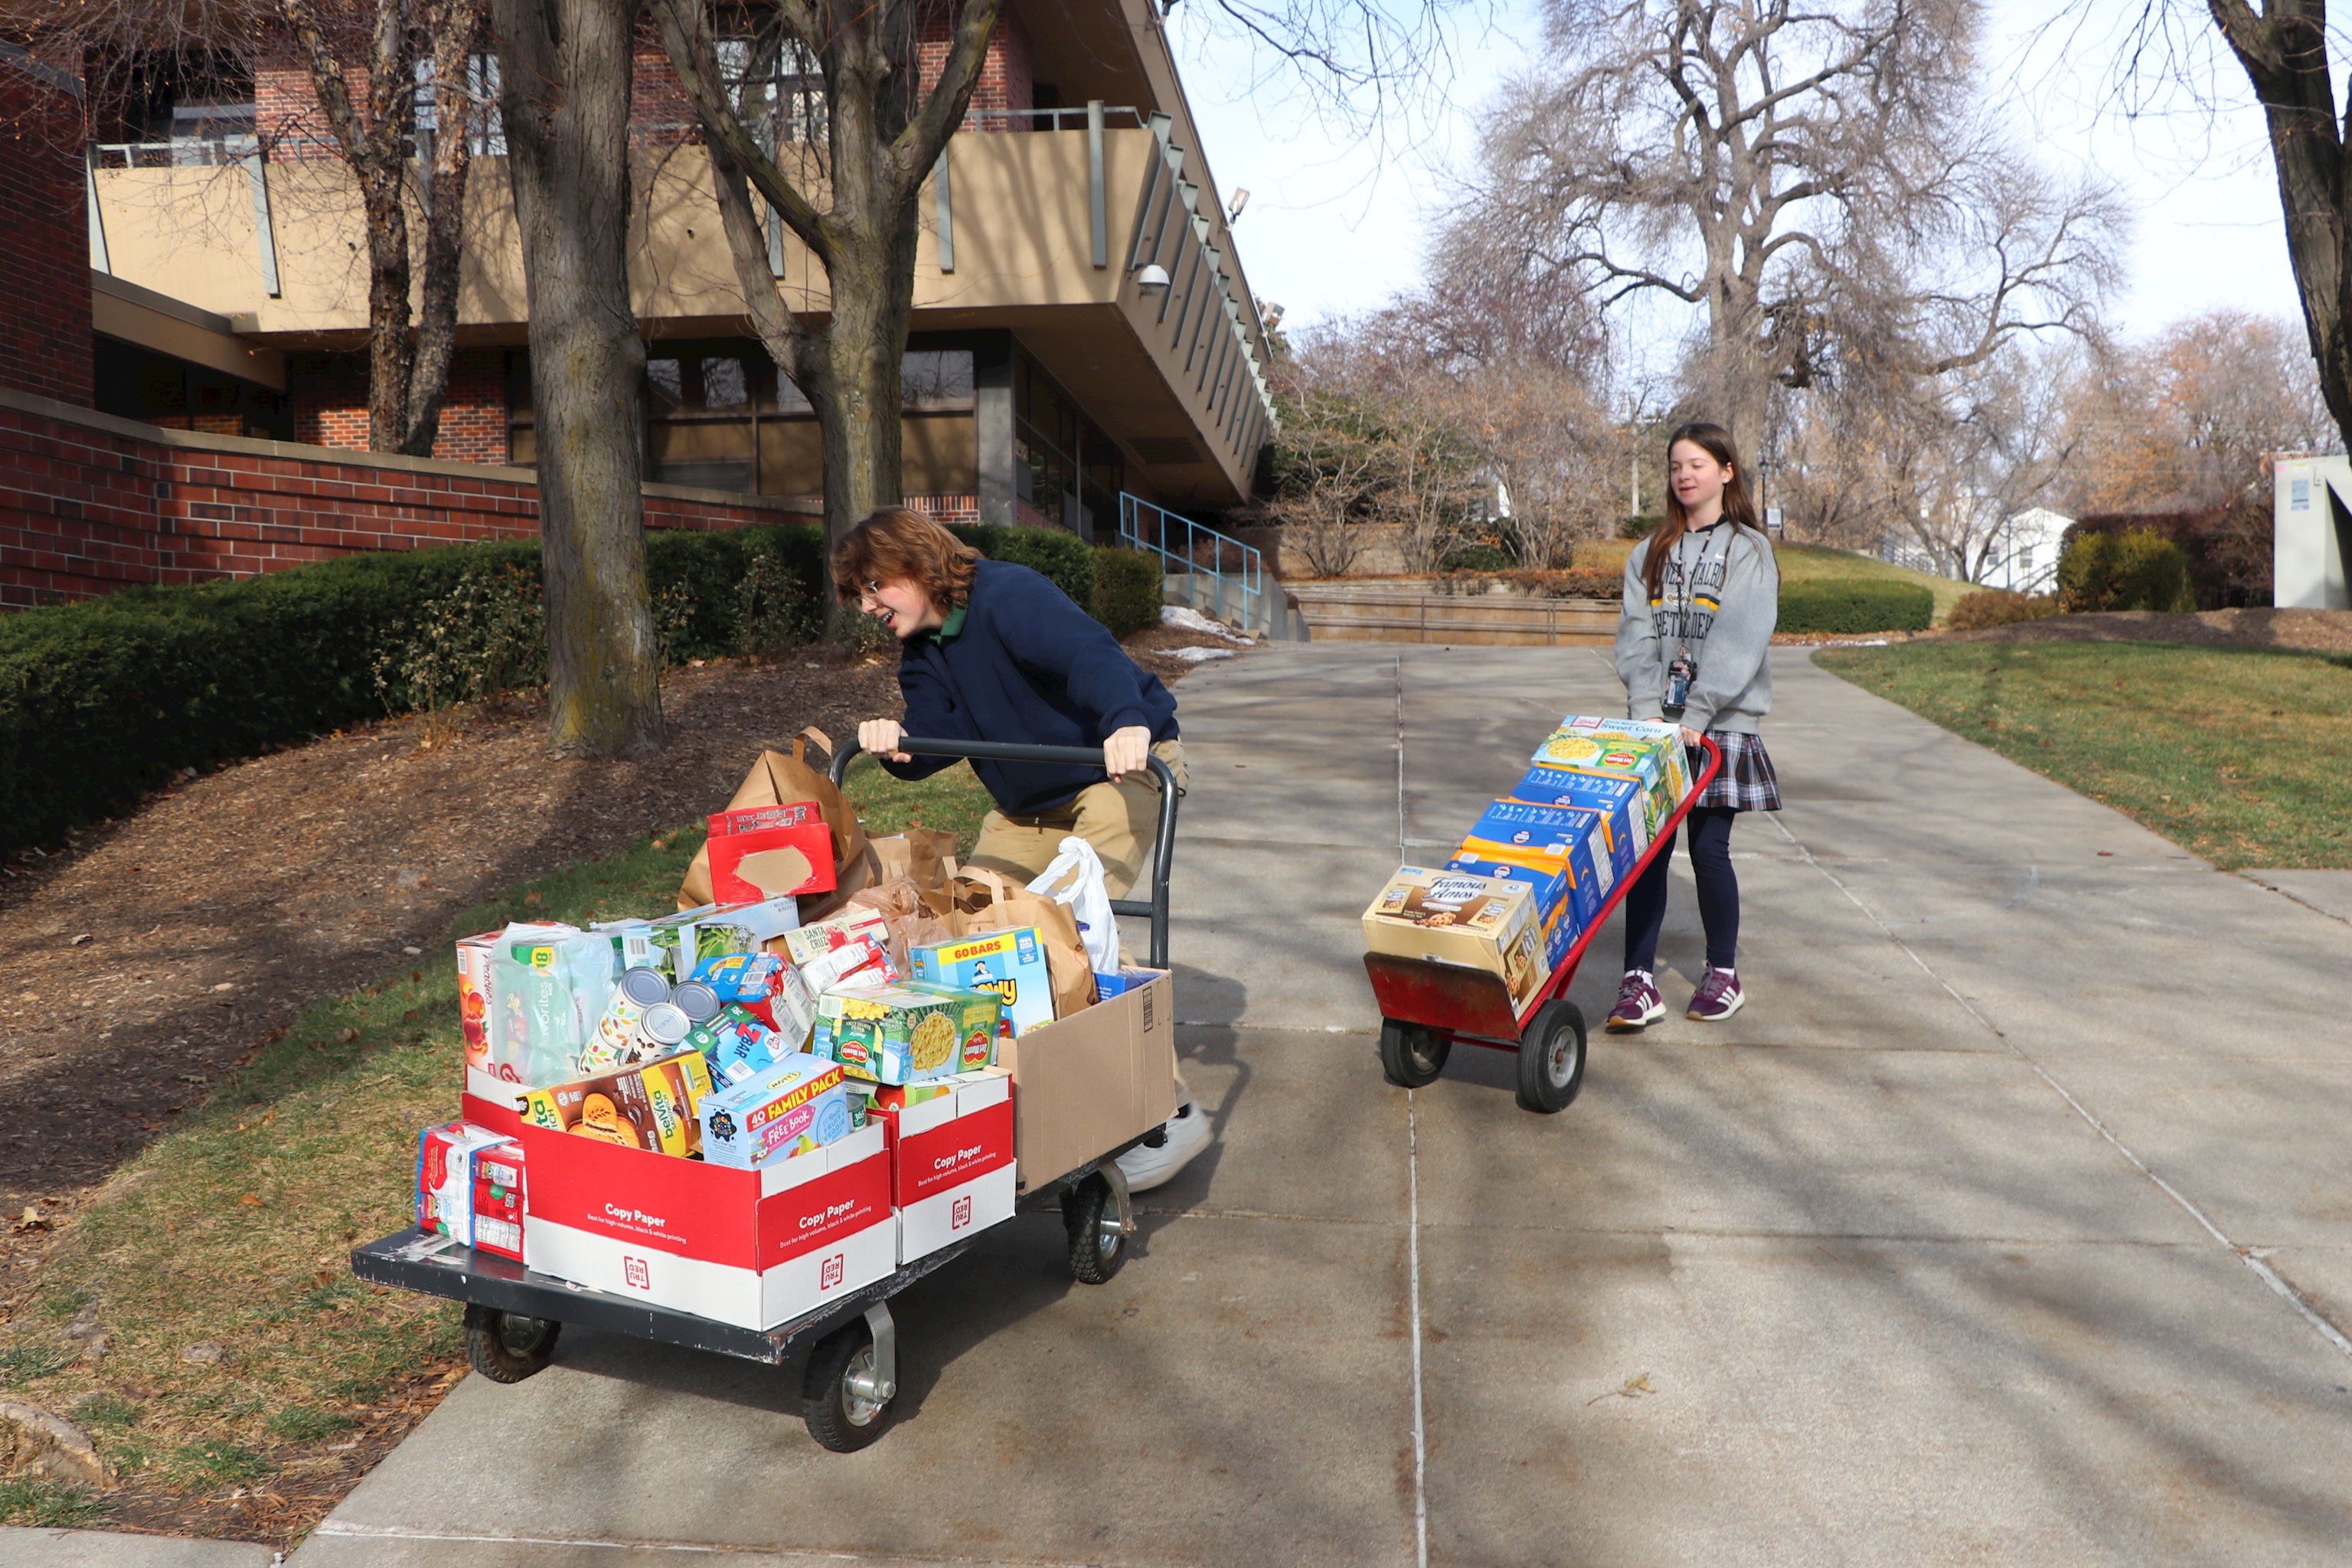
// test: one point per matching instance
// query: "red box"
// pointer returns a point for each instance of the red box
(770, 861)
(951, 1169)
(749, 1247)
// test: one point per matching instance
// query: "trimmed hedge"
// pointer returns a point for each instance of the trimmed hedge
(1130, 587)
(2141, 570)
(1852, 607)
(1998, 607)
(106, 697)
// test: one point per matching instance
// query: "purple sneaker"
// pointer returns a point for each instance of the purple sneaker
(1718, 997)
(1639, 1005)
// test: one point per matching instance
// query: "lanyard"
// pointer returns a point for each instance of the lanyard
(1683, 580)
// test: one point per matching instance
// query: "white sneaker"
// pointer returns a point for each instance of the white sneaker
(1146, 1167)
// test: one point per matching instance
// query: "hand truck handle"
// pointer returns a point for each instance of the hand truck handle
(1163, 850)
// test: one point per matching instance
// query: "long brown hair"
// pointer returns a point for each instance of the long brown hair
(1738, 509)
(899, 543)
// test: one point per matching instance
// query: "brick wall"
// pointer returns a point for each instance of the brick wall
(44, 340)
(1005, 78)
(329, 395)
(90, 503)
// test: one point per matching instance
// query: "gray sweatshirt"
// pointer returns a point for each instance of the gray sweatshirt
(1718, 599)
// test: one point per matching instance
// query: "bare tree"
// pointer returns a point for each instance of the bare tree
(1798, 174)
(856, 206)
(384, 44)
(567, 70)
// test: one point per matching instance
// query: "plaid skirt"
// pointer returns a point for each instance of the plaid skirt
(1746, 782)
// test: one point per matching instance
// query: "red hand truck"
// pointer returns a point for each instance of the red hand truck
(1426, 1007)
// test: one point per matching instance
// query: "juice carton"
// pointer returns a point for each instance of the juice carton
(1455, 917)
(900, 1035)
(474, 953)
(794, 1106)
(1012, 963)
(806, 944)
(1528, 835)
(736, 1044)
(1631, 813)
(650, 1107)
(469, 1187)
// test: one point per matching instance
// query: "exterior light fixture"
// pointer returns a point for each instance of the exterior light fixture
(1241, 200)
(1151, 277)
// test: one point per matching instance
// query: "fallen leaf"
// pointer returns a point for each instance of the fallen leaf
(251, 1200)
(1633, 1388)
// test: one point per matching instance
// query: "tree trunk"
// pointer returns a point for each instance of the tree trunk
(389, 353)
(457, 34)
(567, 71)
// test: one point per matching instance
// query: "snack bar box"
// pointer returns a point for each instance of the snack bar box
(749, 1247)
(952, 1166)
(1454, 917)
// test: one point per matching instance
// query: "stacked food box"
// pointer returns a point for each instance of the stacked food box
(1538, 865)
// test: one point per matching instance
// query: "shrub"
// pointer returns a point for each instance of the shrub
(1998, 607)
(2141, 570)
(1062, 559)
(1130, 587)
(1477, 558)
(485, 636)
(1855, 607)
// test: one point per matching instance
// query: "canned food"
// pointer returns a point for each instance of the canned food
(698, 1001)
(616, 1031)
(663, 1026)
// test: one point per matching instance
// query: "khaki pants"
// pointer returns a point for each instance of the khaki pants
(1117, 819)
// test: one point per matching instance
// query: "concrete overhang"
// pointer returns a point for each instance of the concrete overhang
(147, 319)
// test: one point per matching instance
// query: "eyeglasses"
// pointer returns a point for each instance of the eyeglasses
(871, 591)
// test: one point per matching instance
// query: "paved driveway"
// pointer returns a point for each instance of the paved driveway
(2006, 1225)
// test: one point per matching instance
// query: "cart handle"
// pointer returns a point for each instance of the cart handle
(1163, 850)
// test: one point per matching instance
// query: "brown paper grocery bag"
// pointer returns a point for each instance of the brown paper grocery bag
(985, 901)
(779, 780)
(908, 921)
(924, 856)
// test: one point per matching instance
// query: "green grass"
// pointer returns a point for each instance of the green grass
(1807, 564)
(2237, 754)
(235, 1227)
(48, 1505)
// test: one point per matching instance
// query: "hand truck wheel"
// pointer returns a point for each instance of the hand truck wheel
(1098, 1217)
(1552, 1057)
(505, 1347)
(1412, 1055)
(852, 1378)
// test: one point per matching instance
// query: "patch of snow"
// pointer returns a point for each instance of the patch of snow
(1192, 620)
(1200, 655)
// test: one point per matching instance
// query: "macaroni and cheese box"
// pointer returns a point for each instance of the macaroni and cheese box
(1546, 835)
(1663, 734)
(1455, 917)
(795, 1107)
(1657, 764)
(650, 1107)
(1631, 813)
(903, 1034)
(1010, 964)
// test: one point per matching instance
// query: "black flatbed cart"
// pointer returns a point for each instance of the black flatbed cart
(514, 1313)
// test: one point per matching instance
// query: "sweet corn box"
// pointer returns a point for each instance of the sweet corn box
(1546, 835)
(1011, 963)
(1454, 916)
(1663, 734)
(900, 1035)
(1630, 813)
(1656, 762)
(793, 1107)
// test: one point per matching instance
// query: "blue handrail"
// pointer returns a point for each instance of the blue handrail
(1178, 539)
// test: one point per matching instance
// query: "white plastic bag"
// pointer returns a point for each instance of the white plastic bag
(1075, 879)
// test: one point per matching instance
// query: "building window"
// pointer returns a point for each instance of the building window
(777, 86)
(486, 133)
(1062, 464)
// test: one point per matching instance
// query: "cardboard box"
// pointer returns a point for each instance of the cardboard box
(1454, 917)
(1656, 764)
(1522, 834)
(780, 859)
(904, 1034)
(1012, 963)
(1088, 1083)
(1554, 895)
(1664, 733)
(754, 1248)
(1632, 813)
(805, 944)
(952, 1163)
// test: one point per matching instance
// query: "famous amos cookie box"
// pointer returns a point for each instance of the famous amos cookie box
(1454, 916)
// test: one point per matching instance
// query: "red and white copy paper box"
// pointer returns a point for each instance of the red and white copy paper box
(952, 1163)
(489, 1102)
(748, 1247)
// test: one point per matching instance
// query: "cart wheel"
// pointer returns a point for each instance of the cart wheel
(1098, 1230)
(507, 1347)
(1552, 1057)
(844, 1408)
(1412, 1055)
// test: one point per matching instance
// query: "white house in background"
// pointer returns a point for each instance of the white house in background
(2024, 554)
(2311, 535)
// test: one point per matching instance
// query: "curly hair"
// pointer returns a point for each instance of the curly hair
(897, 542)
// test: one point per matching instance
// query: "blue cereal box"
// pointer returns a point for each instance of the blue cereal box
(1575, 841)
(1630, 812)
(792, 1107)
(1551, 900)
(1010, 964)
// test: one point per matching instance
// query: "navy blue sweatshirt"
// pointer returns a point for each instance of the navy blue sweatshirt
(1019, 661)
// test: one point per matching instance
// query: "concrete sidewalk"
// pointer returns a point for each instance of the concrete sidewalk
(2005, 1224)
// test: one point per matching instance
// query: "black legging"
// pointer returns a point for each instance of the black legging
(1718, 894)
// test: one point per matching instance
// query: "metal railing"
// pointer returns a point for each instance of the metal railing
(1236, 572)
(1057, 115)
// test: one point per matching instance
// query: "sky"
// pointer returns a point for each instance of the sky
(1335, 218)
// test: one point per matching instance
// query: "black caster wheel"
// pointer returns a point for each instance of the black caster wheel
(845, 1399)
(505, 1347)
(1552, 1057)
(1412, 1054)
(1098, 1221)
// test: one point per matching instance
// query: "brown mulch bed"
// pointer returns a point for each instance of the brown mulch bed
(2323, 631)
(160, 950)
